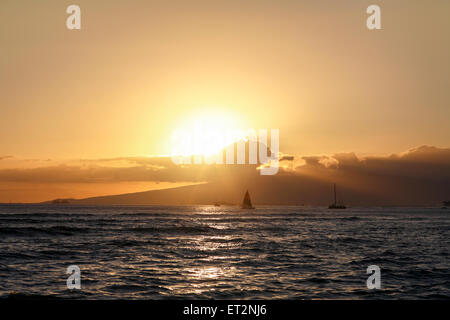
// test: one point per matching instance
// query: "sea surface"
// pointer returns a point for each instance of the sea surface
(206, 252)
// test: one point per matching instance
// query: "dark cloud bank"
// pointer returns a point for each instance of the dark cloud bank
(420, 176)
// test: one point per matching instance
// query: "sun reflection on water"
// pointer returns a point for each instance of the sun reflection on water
(202, 279)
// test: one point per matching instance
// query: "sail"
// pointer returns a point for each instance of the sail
(336, 205)
(247, 202)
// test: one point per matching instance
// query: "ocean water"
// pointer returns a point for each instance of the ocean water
(205, 252)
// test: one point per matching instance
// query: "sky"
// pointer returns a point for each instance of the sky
(139, 70)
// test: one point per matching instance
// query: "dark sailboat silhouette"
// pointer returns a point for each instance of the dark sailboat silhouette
(335, 205)
(247, 203)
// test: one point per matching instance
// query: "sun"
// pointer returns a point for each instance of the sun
(206, 133)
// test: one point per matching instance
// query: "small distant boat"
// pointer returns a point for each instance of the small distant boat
(247, 202)
(216, 204)
(336, 205)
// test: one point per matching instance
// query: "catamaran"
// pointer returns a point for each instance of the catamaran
(335, 205)
(247, 203)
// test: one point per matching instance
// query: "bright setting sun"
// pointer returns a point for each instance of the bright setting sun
(206, 133)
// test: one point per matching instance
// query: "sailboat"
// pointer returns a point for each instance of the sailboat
(335, 205)
(247, 203)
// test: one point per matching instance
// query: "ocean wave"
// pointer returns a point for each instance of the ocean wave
(45, 214)
(143, 214)
(175, 229)
(126, 288)
(177, 253)
(33, 231)
(124, 243)
(30, 296)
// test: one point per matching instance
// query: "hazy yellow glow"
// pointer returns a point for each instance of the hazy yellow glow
(206, 133)
(159, 78)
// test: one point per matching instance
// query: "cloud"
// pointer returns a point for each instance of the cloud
(417, 176)
(287, 158)
(421, 161)
(424, 161)
(420, 175)
(122, 170)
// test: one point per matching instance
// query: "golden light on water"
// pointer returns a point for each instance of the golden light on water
(198, 278)
(204, 273)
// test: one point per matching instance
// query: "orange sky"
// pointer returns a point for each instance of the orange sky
(136, 70)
